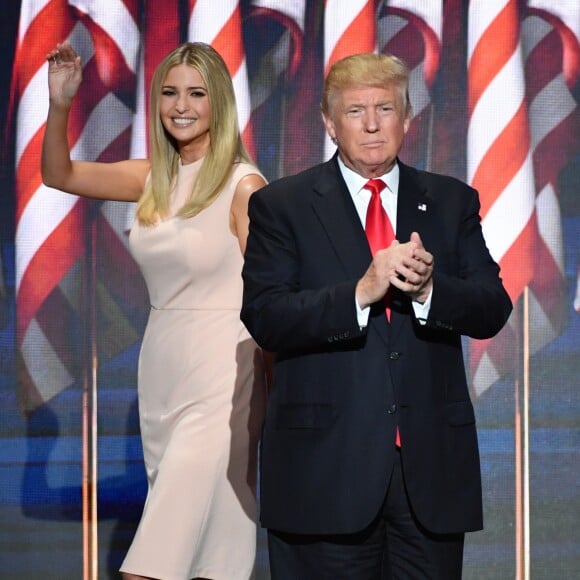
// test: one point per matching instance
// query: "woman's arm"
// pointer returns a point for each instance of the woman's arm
(239, 211)
(122, 181)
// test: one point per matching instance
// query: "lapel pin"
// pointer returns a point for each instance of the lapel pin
(422, 206)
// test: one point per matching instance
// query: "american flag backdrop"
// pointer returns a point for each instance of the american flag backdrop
(498, 123)
(274, 60)
(54, 230)
(121, 42)
(412, 30)
(494, 87)
(515, 153)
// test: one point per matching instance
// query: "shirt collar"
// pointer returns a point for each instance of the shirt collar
(355, 182)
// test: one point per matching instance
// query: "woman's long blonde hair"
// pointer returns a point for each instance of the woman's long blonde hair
(225, 148)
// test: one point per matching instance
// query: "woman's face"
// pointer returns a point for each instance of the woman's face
(185, 111)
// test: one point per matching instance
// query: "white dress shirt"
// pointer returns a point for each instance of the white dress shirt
(361, 198)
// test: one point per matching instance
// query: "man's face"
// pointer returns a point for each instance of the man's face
(368, 124)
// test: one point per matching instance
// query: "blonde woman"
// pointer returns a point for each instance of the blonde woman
(201, 386)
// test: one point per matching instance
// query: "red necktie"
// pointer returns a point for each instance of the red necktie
(380, 234)
(378, 225)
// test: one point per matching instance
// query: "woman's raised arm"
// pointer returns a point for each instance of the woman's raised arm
(122, 181)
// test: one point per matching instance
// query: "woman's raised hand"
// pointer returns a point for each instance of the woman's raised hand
(65, 73)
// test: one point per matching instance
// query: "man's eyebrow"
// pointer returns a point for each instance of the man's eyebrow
(377, 104)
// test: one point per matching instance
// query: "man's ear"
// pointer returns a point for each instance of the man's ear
(329, 125)
(407, 123)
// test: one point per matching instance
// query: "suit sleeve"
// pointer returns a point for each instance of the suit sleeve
(280, 312)
(469, 298)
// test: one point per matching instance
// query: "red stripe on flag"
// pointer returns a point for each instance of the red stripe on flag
(28, 178)
(266, 13)
(60, 250)
(538, 77)
(486, 59)
(408, 44)
(556, 150)
(496, 349)
(110, 62)
(51, 25)
(496, 169)
(229, 44)
(570, 44)
(360, 36)
(302, 145)
(161, 35)
(516, 275)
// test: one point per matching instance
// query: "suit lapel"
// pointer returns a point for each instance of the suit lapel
(336, 211)
(338, 216)
(414, 204)
(414, 209)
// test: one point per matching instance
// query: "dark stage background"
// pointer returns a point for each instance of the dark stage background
(495, 88)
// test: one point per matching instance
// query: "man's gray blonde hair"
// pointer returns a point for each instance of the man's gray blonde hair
(369, 70)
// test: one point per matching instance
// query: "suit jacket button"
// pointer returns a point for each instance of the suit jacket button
(392, 409)
(394, 355)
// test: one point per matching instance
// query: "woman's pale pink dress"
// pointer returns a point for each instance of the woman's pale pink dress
(201, 396)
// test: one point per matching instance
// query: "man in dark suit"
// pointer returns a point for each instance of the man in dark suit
(370, 463)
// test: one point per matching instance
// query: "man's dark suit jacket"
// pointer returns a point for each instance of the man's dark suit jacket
(339, 391)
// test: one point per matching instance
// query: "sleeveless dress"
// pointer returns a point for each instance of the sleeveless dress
(201, 396)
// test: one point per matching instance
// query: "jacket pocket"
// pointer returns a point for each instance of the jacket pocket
(305, 416)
